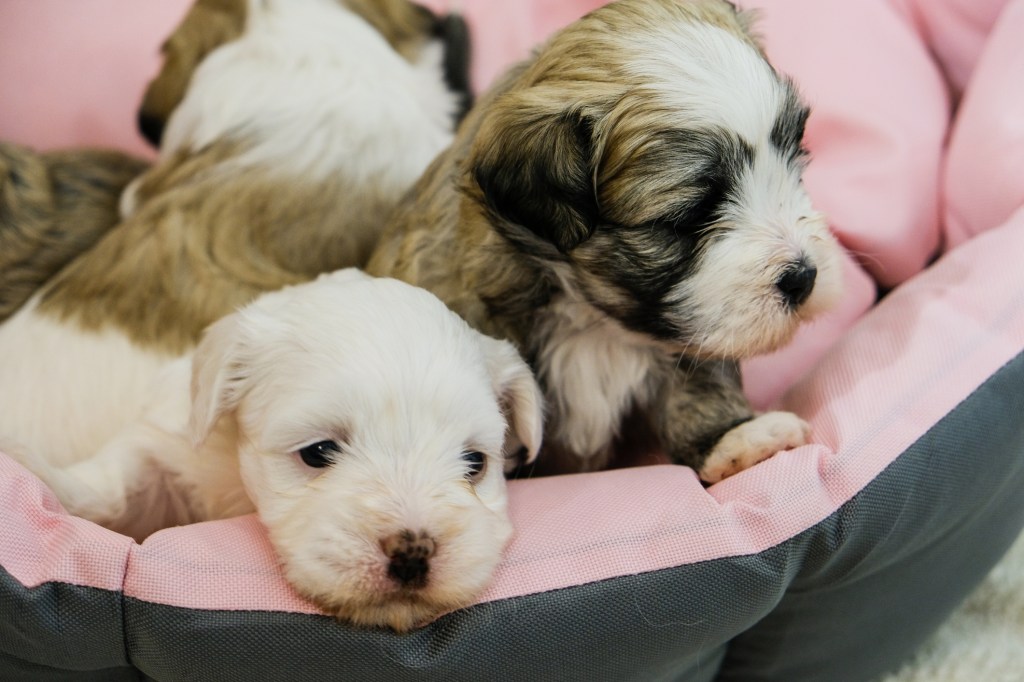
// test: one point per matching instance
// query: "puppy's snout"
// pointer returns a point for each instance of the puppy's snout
(409, 556)
(151, 127)
(797, 283)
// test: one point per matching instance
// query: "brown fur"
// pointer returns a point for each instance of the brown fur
(524, 156)
(204, 242)
(207, 25)
(54, 206)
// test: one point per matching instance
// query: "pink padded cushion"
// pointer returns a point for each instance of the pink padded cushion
(72, 73)
(984, 175)
(40, 542)
(956, 32)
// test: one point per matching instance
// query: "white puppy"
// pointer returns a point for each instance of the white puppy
(364, 421)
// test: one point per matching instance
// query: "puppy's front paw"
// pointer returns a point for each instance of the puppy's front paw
(758, 439)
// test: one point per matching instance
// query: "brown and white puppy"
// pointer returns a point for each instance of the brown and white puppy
(293, 143)
(53, 207)
(412, 30)
(626, 206)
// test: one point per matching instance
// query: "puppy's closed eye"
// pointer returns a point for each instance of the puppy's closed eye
(320, 454)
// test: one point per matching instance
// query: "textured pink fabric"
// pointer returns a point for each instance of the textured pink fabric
(40, 543)
(871, 397)
(868, 400)
(955, 30)
(218, 565)
(984, 177)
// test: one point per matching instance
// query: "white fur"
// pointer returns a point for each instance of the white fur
(686, 73)
(365, 110)
(382, 368)
(733, 297)
(66, 391)
(601, 370)
(702, 79)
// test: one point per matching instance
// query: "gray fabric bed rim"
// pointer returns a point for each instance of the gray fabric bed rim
(847, 599)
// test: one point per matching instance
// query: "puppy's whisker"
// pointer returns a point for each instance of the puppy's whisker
(865, 257)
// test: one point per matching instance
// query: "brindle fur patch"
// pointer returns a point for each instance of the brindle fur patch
(54, 207)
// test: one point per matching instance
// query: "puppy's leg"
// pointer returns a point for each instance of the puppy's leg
(704, 421)
(119, 487)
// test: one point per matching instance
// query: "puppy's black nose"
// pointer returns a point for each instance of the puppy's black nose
(151, 127)
(797, 283)
(409, 557)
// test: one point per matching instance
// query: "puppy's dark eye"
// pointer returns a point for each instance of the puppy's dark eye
(320, 454)
(476, 464)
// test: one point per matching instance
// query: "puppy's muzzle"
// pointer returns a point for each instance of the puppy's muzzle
(409, 556)
(797, 283)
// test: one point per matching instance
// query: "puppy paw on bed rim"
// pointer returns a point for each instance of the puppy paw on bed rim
(752, 442)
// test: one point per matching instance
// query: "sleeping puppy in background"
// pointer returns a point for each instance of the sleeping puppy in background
(53, 207)
(416, 33)
(373, 456)
(293, 143)
(626, 206)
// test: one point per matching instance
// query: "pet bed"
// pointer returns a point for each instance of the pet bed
(830, 562)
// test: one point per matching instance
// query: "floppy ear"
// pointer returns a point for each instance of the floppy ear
(521, 402)
(218, 374)
(534, 168)
(207, 25)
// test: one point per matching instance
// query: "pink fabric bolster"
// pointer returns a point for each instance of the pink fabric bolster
(40, 542)
(72, 73)
(955, 31)
(984, 173)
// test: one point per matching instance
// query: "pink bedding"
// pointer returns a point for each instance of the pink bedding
(918, 144)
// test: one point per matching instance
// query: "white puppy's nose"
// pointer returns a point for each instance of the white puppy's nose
(408, 554)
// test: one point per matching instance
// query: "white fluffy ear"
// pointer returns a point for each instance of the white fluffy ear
(217, 375)
(521, 401)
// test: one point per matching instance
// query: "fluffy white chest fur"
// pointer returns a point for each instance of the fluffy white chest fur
(603, 372)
